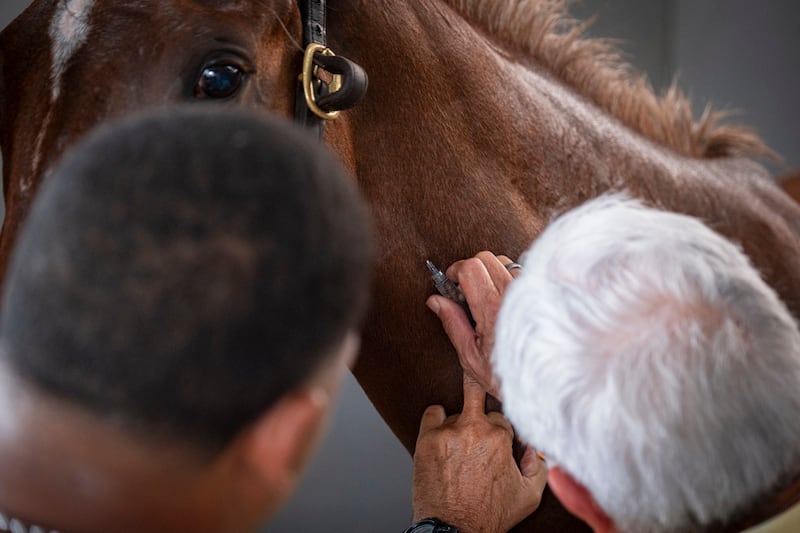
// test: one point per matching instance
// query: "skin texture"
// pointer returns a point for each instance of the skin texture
(449, 452)
(461, 144)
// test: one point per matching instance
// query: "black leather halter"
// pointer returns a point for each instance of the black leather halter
(328, 83)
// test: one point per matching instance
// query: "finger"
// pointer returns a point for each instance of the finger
(531, 465)
(500, 276)
(433, 417)
(454, 321)
(482, 280)
(484, 297)
(450, 420)
(453, 270)
(473, 264)
(480, 368)
(496, 267)
(499, 420)
(474, 397)
(515, 272)
(484, 257)
(462, 336)
(534, 479)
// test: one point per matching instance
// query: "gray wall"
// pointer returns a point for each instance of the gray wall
(744, 55)
(735, 53)
(739, 55)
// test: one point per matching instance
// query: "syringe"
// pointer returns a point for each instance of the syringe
(449, 289)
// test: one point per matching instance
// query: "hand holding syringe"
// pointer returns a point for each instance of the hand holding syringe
(449, 289)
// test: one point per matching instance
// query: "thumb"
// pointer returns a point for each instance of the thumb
(454, 320)
(455, 323)
(433, 417)
(462, 336)
(531, 465)
(532, 483)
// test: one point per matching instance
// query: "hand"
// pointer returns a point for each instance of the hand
(464, 471)
(484, 280)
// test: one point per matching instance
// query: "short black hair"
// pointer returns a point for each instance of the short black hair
(183, 269)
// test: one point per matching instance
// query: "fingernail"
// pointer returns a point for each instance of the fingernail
(540, 455)
(433, 305)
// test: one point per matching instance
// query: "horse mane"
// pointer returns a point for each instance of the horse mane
(596, 70)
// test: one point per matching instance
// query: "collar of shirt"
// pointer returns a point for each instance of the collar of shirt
(786, 522)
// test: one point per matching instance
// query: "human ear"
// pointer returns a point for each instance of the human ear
(579, 501)
(273, 451)
(282, 439)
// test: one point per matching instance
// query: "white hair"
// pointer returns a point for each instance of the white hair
(644, 354)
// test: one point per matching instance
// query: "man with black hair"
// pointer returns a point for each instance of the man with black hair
(180, 308)
(182, 304)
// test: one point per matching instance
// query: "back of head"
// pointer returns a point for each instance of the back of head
(644, 354)
(182, 270)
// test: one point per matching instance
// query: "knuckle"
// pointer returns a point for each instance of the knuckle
(485, 255)
(498, 419)
(432, 443)
(472, 264)
(500, 435)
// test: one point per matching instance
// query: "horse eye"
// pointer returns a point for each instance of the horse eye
(219, 81)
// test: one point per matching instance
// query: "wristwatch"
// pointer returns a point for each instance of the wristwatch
(431, 525)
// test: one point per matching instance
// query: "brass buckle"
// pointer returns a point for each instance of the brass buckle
(310, 76)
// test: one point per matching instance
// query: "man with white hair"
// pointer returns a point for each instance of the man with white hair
(643, 354)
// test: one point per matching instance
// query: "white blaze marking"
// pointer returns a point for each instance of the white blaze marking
(68, 31)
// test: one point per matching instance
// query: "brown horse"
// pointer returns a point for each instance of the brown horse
(483, 119)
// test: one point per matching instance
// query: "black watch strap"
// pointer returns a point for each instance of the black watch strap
(431, 525)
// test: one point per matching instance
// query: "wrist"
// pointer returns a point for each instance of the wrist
(431, 525)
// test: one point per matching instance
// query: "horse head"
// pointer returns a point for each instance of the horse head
(100, 59)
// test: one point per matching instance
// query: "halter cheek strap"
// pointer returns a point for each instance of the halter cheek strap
(314, 22)
(320, 98)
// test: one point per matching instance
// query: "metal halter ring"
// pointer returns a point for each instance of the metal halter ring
(309, 78)
(511, 266)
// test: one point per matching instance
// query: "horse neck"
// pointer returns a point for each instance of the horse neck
(451, 108)
(452, 113)
(463, 144)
